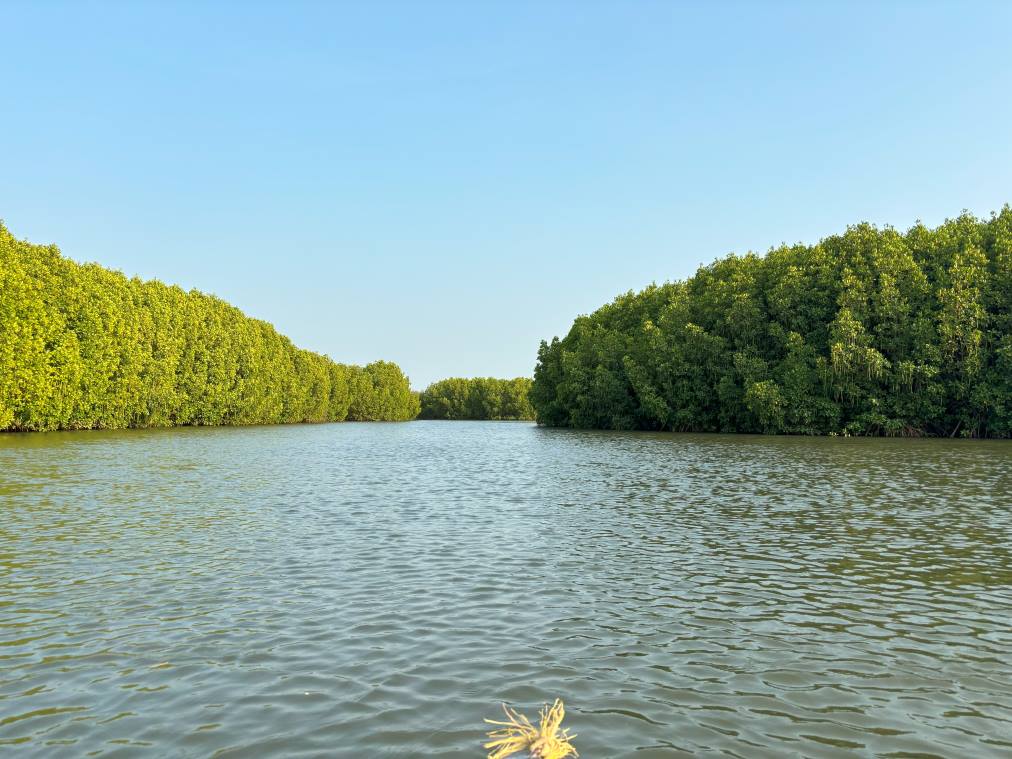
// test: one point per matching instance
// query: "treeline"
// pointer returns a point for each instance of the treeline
(85, 347)
(477, 398)
(872, 332)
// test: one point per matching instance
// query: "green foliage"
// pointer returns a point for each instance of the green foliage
(381, 393)
(871, 332)
(84, 347)
(477, 398)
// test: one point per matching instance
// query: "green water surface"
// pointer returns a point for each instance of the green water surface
(376, 590)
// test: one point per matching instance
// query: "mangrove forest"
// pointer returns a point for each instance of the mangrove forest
(478, 398)
(83, 347)
(871, 332)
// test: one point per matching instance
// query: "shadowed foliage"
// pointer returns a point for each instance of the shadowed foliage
(872, 332)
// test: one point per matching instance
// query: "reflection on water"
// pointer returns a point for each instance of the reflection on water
(366, 590)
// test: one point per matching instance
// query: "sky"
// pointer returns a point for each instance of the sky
(446, 184)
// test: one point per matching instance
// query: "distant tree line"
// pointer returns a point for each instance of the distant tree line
(872, 332)
(85, 347)
(477, 398)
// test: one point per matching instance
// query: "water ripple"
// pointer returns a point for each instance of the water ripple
(376, 590)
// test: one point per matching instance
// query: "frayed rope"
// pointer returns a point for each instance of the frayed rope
(547, 741)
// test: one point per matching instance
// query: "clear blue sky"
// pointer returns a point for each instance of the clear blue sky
(444, 185)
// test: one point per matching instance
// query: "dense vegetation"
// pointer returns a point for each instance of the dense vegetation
(85, 347)
(873, 332)
(477, 398)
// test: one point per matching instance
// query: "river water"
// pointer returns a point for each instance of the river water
(376, 590)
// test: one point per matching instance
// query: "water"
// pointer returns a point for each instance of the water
(376, 590)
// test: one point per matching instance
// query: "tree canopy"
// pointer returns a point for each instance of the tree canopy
(873, 332)
(477, 398)
(85, 347)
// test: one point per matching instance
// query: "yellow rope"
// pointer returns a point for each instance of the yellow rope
(547, 741)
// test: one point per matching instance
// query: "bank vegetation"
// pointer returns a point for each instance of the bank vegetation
(871, 332)
(84, 347)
